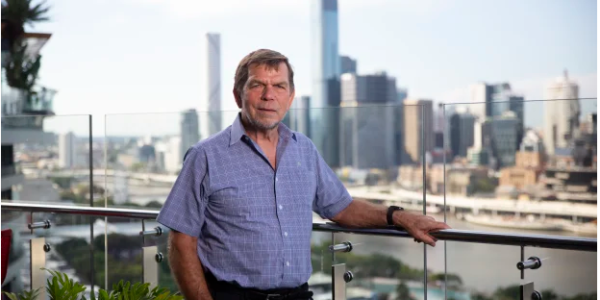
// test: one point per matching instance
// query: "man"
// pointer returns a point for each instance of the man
(241, 208)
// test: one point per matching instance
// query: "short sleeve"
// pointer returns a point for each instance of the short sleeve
(332, 196)
(184, 209)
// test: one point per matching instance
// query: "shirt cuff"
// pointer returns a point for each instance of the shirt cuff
(338, 206)
(177, 226)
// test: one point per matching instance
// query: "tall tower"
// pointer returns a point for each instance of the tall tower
(561, 122)
(418, 121)
(188, 131)
(211, 108)
(326, 71)
(66, 150)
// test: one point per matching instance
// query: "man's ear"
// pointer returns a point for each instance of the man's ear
(238, 98)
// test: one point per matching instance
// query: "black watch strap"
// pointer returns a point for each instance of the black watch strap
(390, 213)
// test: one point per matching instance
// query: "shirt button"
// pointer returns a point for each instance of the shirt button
(280, 207)
(276, 179)
(287, 263)
(285, 233)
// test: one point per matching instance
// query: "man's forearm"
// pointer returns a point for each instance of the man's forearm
(362, 214)
(187, 267)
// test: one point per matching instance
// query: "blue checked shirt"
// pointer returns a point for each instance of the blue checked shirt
(253, 223)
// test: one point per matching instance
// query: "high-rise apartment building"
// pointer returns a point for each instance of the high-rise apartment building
(561, 123)
(211, 108)
(326, 70)
(418, 121)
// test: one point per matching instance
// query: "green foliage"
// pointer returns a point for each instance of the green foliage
(124, 260)
(25, 295)
(154, 204)
(582, 297)
(484, 185)
(549, 295)
(61, 287)
(21, 12)
(138, 166)
(22, 70)
(63, 182)
(402, 291)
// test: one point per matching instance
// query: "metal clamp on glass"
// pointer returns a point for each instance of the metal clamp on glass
(343, 247)
(45, 224)
(156, 231)
(533, 263)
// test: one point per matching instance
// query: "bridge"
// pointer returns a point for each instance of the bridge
(390, 195)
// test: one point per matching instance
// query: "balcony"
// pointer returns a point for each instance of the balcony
(133, 240)
(132, 167)
(11, 176)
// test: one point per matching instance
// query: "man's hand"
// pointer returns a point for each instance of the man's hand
(419, 226)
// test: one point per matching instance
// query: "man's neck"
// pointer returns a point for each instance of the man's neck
(260, 136)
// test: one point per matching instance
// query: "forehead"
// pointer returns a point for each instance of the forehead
(279, 71)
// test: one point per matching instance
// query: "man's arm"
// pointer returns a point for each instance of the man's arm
(186, 266)
(364, 214)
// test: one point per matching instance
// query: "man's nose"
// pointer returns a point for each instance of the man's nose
(268, 93)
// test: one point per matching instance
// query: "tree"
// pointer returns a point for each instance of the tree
(402, 291)
(154, 204)
(18, 13)
(22, 70)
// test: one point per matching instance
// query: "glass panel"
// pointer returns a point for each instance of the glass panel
(565, 273)
(320, 281)
(383, 267)
(165, 277)
(527, 166)
(70, 251)
(46, 158)
(490, 272)
(145, 153)
(124, 250)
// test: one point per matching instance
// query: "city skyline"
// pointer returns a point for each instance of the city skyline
(150, 86)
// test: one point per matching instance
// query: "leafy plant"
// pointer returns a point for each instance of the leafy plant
(61, 287)
(25, 295)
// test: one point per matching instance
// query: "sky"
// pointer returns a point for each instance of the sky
(121, 60)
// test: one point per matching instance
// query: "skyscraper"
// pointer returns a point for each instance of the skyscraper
(418, 121)
(188, 130)
(504, 131)
(561, 122)
(326, 72)
(211, 108)
(348, 64)
(368, 131)
(494, 100)
(300, 115)
(462, 130)
(66, 150)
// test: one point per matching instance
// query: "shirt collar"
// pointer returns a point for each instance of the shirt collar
(238, 131)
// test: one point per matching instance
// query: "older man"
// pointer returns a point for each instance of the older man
(241, 208)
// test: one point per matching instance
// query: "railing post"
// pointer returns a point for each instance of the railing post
(150, 256)
(37, 258)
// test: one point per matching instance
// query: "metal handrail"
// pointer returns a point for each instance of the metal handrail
(469, 236)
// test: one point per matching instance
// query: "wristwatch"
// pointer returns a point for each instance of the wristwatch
(390, 213)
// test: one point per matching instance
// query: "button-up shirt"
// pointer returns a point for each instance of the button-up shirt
(253, 222)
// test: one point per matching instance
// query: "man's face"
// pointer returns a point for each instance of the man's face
(266, 96)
